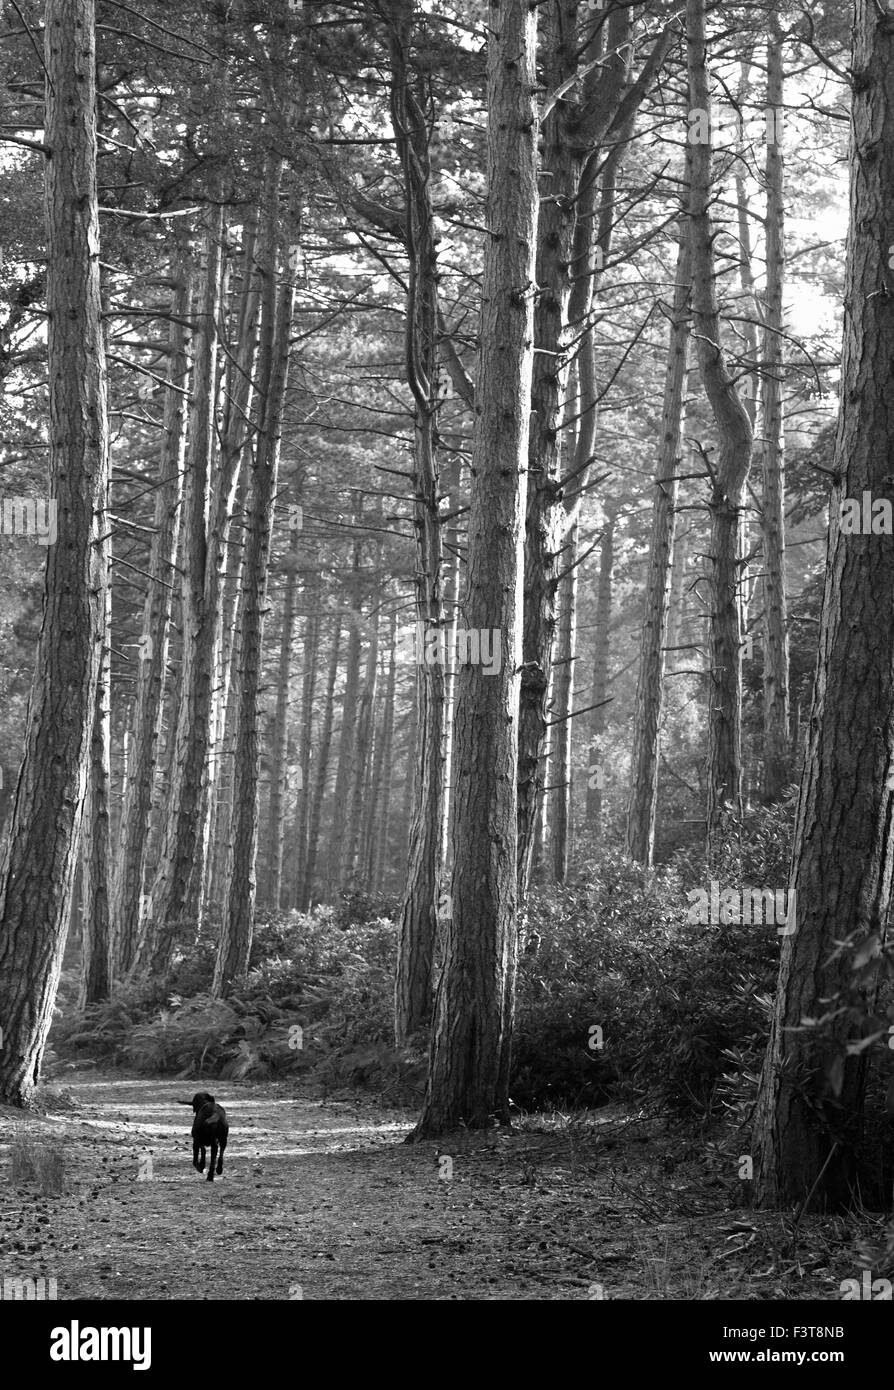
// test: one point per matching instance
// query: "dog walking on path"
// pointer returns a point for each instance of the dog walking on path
(209, 1129)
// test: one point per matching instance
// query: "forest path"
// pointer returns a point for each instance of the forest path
(323, 1200)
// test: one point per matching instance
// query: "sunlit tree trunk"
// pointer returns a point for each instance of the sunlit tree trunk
(409, 100)
(307, 880)
(563, 680)
(152, 655)
(563, 160)
(729, 472)
(237, 927)
(583, 132)
(174, 907)
(347, 735)
(597, 770)
(452, 569)
(223, 580)
(471, 1042)
(96, 928)
(808, 1119)
(380, 802)
(360, 764)
(777, 757)
(37, 875)
(656, 603)
(279, 761)
(306, 764)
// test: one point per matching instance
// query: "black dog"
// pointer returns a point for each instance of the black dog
(209, 1129)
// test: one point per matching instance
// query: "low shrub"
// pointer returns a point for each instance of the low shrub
(619, 992)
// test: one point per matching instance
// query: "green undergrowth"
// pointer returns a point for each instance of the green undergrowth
(619, 996)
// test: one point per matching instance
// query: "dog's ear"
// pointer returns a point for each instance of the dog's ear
(209, 1100)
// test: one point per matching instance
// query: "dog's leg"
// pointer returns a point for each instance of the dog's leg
(223, 1145)
(195, 1156)
(201, 1163)
(213, 1160)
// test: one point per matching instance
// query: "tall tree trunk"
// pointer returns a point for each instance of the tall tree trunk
(130, 862)
(452, 567)
(728, 474)
(312, 594)
(279, 761)
(368, 809)
(348, 734)
(563, 158)
(677, 596)
(96, 928)
(563, 679)
(380, 809)
(656, 606)
(237, 927)
(362, 749)
(597, 770)
(418, 916)
(306, 882)
(223, 579)
(582, 136)
(808, 1117)
(777, 758)
(471, 1042)
(230, 675)
(174, 906)
(36, 880)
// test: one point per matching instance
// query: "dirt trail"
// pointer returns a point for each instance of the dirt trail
(323, 1200)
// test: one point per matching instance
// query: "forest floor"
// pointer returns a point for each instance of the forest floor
(321, 1199)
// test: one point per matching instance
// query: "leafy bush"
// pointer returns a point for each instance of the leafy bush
(356, 909)
(618, 994)
(671, 998)
(102, 1030)
(320, 990)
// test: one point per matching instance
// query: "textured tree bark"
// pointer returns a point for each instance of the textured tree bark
(312, 593)
(348, 733)
(306, 882)
(656, 606)
(777, 748)
(279, 761)
(225, 705)
(810, 1101)
(563, 700)
(130, 861)
(368, 809)
(360, 762)
(225, 714)
(96, 838)
(174, 905)
(223, 584)
(234, 946)
(380, 802)
(452, 541)
(583, 137)
(562, 162)
(593, 234)
(469, 1067)
(597, 771)
(750, 312)
(677, 596)
(36, 879)
(728, 475)
(418, 917)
